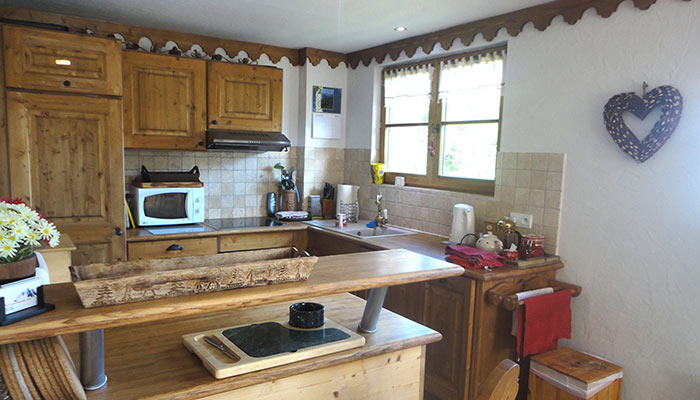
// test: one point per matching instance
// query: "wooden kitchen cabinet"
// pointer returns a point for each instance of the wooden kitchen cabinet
(66, 160)
(262, 240)
(60, 61)
(244, 97)
(172, 248)
(164, 102)
(449, 309)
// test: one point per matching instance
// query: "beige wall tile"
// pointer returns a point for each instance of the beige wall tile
(536, 198)
(510, 160)
(538, 180)
(555, 162)
(539, 161)
(523, 178)
(524, 160)
(552, 199)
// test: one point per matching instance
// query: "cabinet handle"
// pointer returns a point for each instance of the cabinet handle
(66, 83)
(214, 122)
(442, 280)
(118, 231)
(200, 144)
(174, 247)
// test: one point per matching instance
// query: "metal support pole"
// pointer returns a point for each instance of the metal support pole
(92, 359)
(373, 307)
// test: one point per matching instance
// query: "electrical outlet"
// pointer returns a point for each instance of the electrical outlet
(522, 220)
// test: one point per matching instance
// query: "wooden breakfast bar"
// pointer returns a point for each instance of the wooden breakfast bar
(144, 356)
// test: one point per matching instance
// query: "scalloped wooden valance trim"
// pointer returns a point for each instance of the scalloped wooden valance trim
(158, 37)
(541, 16)
(316, 55)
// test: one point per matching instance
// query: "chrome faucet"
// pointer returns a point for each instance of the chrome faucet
(382, 215)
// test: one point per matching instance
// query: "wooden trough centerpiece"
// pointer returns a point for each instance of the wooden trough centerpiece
(132, 281)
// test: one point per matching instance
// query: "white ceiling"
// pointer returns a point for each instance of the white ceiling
(337, 25)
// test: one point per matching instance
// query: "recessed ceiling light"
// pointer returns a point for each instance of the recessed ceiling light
(400, 28)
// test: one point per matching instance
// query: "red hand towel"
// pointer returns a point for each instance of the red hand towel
(542, 321)
(469, 257)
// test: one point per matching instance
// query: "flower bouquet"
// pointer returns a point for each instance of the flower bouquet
(21, 232)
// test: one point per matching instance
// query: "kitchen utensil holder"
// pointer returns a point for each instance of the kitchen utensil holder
(351, 210)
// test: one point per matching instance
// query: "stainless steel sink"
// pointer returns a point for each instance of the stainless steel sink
(360, 230)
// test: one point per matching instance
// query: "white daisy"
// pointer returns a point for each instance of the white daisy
(20, 230)
(47, 229)
(32, 238)
(7, 249)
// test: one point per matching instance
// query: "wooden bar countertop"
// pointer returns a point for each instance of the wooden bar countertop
(149, 361)
(331, 275)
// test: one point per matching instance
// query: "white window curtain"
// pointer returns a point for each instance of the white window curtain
(472, 85)
(485, 71)
(407, 94)
(408, 81)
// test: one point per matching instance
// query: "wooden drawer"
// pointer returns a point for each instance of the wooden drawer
(251, 241)
(172, 248)
(60, 61)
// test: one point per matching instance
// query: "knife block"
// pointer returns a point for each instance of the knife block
(328, 209)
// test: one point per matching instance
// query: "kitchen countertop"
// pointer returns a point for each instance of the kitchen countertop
(137, 367)
(430, 245)
(427, 244)
(143, 235)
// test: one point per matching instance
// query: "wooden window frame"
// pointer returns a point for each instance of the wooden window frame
(432, 179)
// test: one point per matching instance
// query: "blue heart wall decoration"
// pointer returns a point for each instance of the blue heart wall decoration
(670, 101)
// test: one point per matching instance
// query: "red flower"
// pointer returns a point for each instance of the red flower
(12, 201)
(17, 200)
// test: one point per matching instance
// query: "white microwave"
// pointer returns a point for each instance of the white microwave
(167, 206)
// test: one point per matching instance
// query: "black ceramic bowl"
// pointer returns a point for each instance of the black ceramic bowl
(306, 315)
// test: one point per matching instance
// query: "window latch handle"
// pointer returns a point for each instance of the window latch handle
(431, 148)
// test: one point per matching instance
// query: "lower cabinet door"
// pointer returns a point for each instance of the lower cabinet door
(407, 300)
(448, 310)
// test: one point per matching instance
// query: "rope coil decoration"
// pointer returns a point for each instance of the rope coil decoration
(670, 101)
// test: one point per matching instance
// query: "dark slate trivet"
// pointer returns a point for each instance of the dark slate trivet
(270, 338)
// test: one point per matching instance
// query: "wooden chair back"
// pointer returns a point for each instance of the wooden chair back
(502, 382)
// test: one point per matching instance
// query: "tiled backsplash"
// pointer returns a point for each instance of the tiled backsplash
(525, 182)
(235, 183)
(320, 165)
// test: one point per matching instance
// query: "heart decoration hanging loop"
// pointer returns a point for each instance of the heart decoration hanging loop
(670, 101)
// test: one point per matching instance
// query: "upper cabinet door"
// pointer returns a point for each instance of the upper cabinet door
(243, 97)
(164, 102)
(66, 160)
(60, 61)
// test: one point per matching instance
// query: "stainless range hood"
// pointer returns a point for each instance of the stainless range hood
(222, 140)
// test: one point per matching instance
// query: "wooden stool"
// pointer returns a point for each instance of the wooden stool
(566, 374)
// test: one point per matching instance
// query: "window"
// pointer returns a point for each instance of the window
(442, 120)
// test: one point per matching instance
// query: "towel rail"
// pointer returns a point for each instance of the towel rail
(506, 294)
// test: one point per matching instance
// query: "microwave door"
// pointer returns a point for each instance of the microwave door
(166, 208)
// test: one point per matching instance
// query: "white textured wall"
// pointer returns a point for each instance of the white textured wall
(628, 231)
(322, 75)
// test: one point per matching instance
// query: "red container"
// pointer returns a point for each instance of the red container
(531, 246)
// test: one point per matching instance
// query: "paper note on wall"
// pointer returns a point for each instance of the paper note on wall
(325, 126)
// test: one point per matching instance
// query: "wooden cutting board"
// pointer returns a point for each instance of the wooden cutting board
(221, 366)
